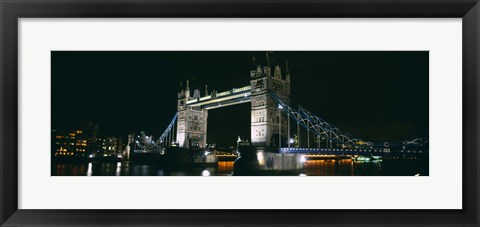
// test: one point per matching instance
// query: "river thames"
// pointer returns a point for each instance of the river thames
(327, 167)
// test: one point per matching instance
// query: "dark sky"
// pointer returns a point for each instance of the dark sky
(377, 95)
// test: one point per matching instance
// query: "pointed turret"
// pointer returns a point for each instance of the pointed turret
(267, 68)
(196, 94)
(267, 62)
(187, 90)
(278, 72)
(287, 72)
(206, 90)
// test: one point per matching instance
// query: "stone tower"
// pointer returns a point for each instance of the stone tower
(191, 122)
(265, 114)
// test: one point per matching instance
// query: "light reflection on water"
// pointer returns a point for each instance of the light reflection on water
(89, 171)
(343, 167)
(329, 167)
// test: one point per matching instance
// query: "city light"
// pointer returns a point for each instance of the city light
(303, 159)
(261, 158)
(205, 173)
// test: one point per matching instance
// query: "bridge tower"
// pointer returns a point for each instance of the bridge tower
(191, 122)
(266, 117)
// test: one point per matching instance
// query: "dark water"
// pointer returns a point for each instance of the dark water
(345, 167)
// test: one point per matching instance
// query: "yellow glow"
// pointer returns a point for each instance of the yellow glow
(261, 158)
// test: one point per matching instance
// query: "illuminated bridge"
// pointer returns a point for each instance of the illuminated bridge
(222, 99)
(273, 120)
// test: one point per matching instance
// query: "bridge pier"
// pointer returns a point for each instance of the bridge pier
(257, 161)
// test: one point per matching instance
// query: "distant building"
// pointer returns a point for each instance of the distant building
(84, 142)
(108, 146)
(69, 143)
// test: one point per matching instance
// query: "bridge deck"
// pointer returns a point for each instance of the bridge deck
(226, 98)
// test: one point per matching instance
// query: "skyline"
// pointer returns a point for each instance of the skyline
(385, 98)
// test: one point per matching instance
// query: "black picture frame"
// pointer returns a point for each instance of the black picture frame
(12, 10)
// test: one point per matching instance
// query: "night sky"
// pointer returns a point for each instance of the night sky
(376, 95)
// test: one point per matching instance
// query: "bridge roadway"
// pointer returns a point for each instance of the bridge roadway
(222, 99)
(341, 151)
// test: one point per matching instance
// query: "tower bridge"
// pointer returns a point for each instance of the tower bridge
(271, 114)
(265, 119)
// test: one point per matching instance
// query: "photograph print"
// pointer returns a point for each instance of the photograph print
(240, 113)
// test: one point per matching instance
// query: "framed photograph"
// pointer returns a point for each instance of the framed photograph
(239, 113)
(254, 129)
